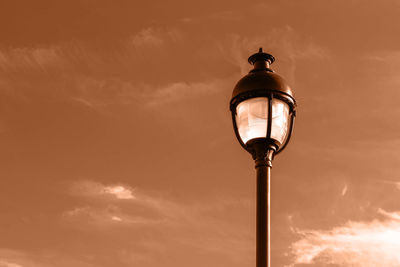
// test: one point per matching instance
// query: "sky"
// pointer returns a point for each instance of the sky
(117, 146)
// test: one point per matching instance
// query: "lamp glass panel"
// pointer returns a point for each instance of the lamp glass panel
(252, 118)
(280, 120)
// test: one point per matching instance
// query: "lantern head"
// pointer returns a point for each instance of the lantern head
(263, 107)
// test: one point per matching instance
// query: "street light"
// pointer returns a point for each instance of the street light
(263, 112)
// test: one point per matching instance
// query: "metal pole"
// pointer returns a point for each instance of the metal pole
(263, 168)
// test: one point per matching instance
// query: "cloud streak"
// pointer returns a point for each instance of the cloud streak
(149, 216)
(119, 192)
(284, 41)
(363, 244)
(344, 190)
(4, 263)
(97, 77)
(92, 189)
(38, 258)
(155, 37)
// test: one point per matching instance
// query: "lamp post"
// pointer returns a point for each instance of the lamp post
(263, 112)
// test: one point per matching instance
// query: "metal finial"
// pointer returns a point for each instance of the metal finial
(261, 56)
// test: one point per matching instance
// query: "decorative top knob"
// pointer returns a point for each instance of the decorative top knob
(261, 60)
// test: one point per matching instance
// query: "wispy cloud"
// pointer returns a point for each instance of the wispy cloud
(153, 37)
(96, 93)
(85, 57)
(364, 244)
(116, 218)
(89, 188)
(284, 41)
(344, 190)
(119, 191)
(17, 59)
(97, 77)
(15, 258)
(395, 183)
(4, 263)
(181, 223)
(182, 90)
(40, 258)
(108, 216)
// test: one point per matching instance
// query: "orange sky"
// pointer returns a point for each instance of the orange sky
(117, 147)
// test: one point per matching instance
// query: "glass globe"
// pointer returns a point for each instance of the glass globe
(252, 119)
